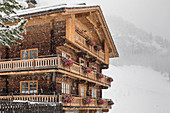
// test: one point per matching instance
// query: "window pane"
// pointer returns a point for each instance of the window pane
(31, 84)
(82, 62)
(35, 84)
(25, 84)
(24, 54)
(33, 90)
(82, 91)
(33, 54)
(63, 55)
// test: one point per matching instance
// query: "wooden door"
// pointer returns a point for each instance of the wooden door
(82, 90)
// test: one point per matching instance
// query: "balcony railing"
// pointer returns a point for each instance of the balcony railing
(48, 63)
(31, 98)
(82, 41)
(78, 101)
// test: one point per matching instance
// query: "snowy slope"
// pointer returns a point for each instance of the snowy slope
(138, 47)
(138, 89)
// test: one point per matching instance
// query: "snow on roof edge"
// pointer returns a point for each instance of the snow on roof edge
(50, 8)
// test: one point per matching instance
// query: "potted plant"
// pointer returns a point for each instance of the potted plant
(99, 75)
(100, 101)
(67, 98)
(90, 42)
(86, 70)
(67, 61)
(97, 47)
(109, 79)
(110, 102)
(87, 100)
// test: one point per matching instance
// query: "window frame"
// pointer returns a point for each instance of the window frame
(93, 89)
(29, 88)
(65, 88)
(81, 59)
(80, 91)
(29, 57)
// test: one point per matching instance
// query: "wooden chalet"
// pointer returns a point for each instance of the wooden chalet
(60, 59)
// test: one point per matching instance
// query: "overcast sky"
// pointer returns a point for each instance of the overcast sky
(150, 15)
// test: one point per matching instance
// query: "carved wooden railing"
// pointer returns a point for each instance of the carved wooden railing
(28, 64)
(45, 63)
(78, 101)
(82, 41)
(31, 98)
(76, 68)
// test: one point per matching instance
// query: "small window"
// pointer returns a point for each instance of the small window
(29, 53)
(65, 88)
(82, 62)
(28, 87)
(82, 92)
(93, 93)
(66, 55)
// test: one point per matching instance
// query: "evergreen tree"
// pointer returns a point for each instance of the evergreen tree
(10, 25)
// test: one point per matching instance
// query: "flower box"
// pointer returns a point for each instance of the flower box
(90, 42)
(100, 101)
(86, 70)
(109, 79)
(110, 102)
(97, 48)
(99, 75)
(67, 98)
(67, 61)
(87, 101)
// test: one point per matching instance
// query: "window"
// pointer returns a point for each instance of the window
(82, 62)
(29, 53)
(65, 88)
(28, 87)
(66, 55)
(82, 90)
(93, 93)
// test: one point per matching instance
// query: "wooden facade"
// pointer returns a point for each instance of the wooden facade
(35, 71)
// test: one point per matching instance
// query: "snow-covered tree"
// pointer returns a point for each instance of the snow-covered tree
(11, 26)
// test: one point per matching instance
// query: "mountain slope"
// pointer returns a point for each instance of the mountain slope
(138, 89)
(138, 47)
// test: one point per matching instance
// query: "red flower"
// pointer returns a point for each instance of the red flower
(110, 102)
(67, 61)
(86, 70)
(67, 98)
(109, 79)
(86, 101)
(99, 75)
(100, 101)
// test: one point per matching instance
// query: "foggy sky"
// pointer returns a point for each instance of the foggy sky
(152, 16)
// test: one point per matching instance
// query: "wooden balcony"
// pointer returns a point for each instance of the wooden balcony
(78, 101)
(31, 98)
(81, 41)
(55, 63)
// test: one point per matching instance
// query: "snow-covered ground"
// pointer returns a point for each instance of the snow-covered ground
(138, 89)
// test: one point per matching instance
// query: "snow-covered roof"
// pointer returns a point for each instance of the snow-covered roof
(51, 8)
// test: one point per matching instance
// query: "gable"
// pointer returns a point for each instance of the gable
(91, 22)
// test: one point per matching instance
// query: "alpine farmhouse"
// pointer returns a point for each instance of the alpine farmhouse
(61, 58)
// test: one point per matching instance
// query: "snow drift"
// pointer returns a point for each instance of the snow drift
(138, 89)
